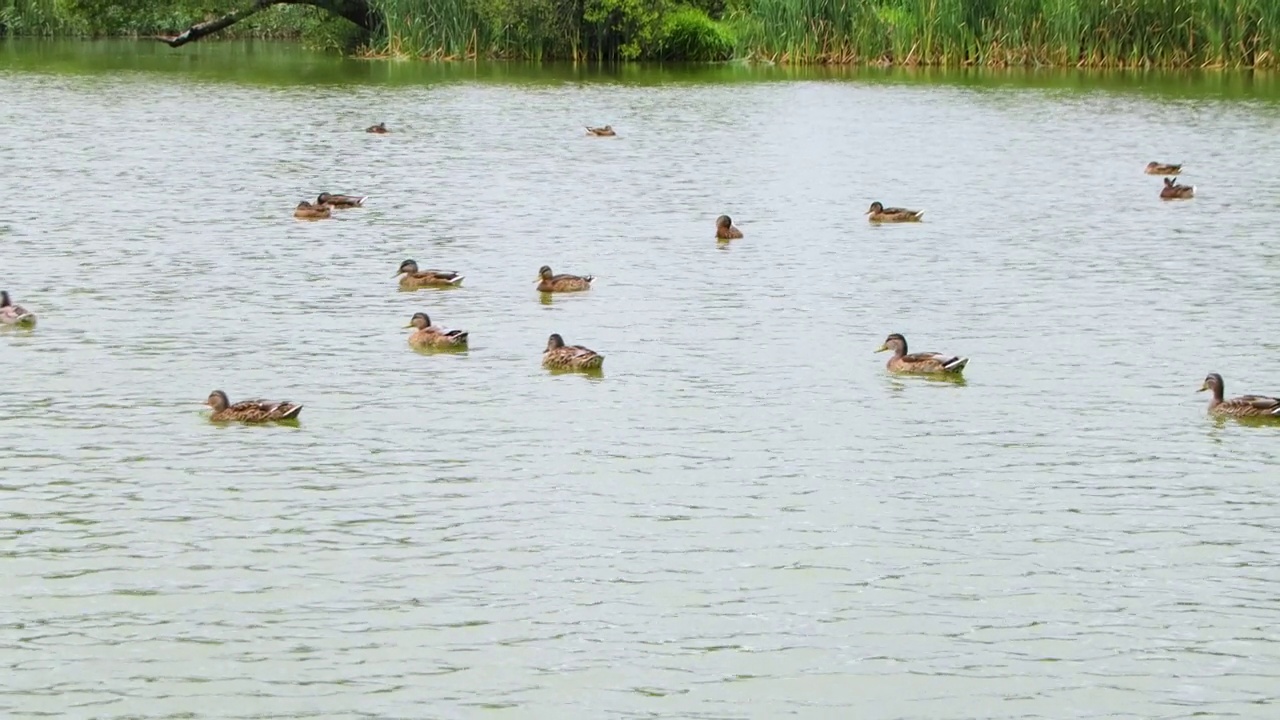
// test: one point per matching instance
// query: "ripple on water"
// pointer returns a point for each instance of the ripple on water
(745, 517)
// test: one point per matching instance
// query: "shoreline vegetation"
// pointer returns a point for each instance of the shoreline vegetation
(985, 33)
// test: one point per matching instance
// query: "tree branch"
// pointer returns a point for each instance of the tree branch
(357, 11)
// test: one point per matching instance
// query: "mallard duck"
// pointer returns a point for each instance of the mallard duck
(415, 278)
(341, 201)
(930, 363)
(11, 314)
(570, 357)
(1173, 191)
(725, 229)
(307, 211)
(1243, 406)
(434, 336)
(881, 214)
(561, 283)
(1155, 168)
(606, 131)
(253, 411)
(379, 129)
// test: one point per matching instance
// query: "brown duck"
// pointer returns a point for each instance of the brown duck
(251, 411)
(307, 211)
(725, 229)
(926, 363)
(570, 357)
(878, 213)
(1173, 191)
(1155, 168)
(341, 201)
(1259, 406)
(379, 129)
(428, 335)
(606, 131)
(411, 277)
(548, 282)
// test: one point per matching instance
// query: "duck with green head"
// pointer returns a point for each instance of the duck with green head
(1256, 406)
(925, 363)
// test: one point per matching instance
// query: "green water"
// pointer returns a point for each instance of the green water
(744, 516)
(284, 63)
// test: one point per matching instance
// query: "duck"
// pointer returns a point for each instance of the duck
(307, 211)
(570, 357)
(1173, 191)
(1155, 168)
(341, 201)
(929, 363)
(379, 129)
(881, 214)
(251, 411)
(11, 314)
(561, 283)
(606, 131)
(411, 277)
(428, 335)
(725, 229)
(1244, 406)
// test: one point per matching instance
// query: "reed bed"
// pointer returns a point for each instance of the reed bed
(1083, 33)
(995, 33)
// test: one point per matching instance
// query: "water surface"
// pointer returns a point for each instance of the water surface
(745, 517)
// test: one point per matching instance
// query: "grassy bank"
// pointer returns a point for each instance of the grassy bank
(1088, 33)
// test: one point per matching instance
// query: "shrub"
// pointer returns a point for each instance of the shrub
(688, 34)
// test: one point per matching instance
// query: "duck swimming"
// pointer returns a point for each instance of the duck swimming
(881, 214)
(411, 277)
(307, 211)
(925, 363)
(11, 314)
(341, 201)
(570, 357)
(250, 411)
(427, 335)
(1173, 191)
(547, 282)
(1243, 406)
(725, 229)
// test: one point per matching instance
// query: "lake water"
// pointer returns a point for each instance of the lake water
(745, 516)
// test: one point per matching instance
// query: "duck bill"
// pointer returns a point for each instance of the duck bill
(1203, 387)
(882, 348)
(398, 273)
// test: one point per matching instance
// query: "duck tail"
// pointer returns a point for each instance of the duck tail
(919, 214)
(956, 364)
(458, 280)
(291, 413)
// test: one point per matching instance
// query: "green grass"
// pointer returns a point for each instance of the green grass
(1095, 33)
(995, 33)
